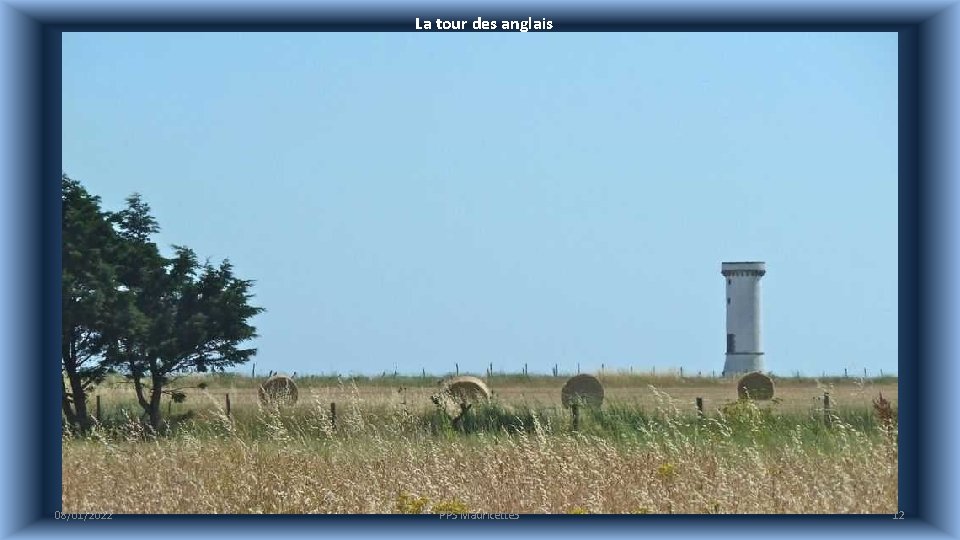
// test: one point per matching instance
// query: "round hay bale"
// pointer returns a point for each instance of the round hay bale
(755, 385)
(278, 390)
(585, 389)
(466, 389)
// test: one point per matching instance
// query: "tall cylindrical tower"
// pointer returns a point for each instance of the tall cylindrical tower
(744, 347)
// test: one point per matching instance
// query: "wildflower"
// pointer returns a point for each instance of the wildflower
(408, 504)
(667, 471)
(450, 507)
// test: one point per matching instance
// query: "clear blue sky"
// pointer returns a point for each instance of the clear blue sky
(413, 200)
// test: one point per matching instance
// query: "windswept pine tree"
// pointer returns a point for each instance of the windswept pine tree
(129, 308)
(185, 316)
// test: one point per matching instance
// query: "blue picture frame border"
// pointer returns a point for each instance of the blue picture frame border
(30, 232)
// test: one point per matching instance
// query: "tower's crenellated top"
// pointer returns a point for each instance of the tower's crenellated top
(749, 268)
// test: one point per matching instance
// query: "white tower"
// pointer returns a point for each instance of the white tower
(744, 348)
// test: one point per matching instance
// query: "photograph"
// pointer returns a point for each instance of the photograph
(480, 269)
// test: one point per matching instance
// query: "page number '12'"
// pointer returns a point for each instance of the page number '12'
(898, 515)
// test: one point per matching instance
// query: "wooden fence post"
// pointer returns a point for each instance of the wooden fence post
(228, 405)
(700, 407)
(575, 407)
(333, 415)
(826, 408)
(99, 414)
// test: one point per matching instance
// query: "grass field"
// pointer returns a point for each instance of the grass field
(391, 450)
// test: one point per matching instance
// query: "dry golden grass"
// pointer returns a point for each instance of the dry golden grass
(518, 474)
(361, 467)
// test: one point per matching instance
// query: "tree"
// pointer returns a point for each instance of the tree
(89, 296)
(182, 316)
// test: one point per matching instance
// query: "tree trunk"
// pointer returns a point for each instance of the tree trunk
(79, 397)
(155, 395)
(67, 406)
(66, 345)
(79, 402)
(136, 375)
(153, 413)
